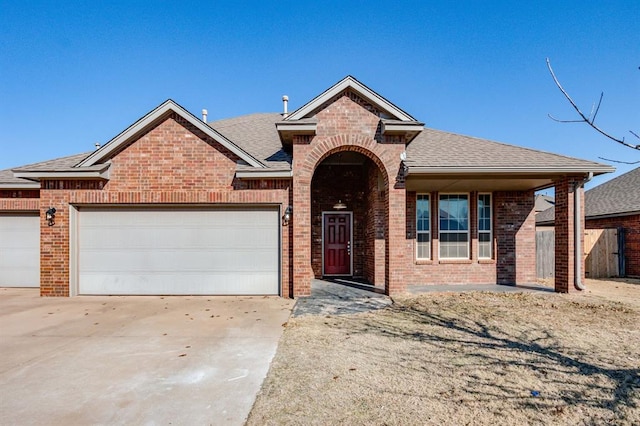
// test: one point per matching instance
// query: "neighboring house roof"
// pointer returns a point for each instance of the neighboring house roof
(543, 202)
(618, 197)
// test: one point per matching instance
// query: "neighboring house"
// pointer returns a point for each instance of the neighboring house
(614, 204)
(543, 202)
(348, 185)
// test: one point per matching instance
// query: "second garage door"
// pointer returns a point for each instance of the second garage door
(178, 251)
(20, 250)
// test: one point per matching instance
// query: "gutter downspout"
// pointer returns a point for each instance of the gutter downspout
(577, 220)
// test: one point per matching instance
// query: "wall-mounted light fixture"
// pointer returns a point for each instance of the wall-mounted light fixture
(51, 216)
(286, 217)
(339, 205)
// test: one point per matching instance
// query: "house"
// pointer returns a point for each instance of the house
(614, 204)
(543, 202)
(348, 185)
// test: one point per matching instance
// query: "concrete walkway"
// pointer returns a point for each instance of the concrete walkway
(192, 360)
(340, 297)
(335, 298)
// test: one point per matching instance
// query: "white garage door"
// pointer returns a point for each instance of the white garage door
(178, 251)
(20, 250)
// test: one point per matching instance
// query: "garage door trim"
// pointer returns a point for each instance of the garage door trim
(75, 211)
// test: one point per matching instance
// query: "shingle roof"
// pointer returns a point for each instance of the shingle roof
(57, 164)
(257, 134)
(436, 148)
(543, 202)
(619, 196)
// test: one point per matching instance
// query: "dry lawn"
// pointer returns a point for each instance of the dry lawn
(462, 358)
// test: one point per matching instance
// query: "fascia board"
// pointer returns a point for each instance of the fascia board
(26, 185)
(364, 91)
(168, 106)
(405, 127)
(301, 128)
(413, 170)
(261, 174)
(79, 174)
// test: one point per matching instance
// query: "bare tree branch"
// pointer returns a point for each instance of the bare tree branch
(589, 121)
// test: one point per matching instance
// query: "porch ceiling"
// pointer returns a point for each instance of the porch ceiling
(481, 183)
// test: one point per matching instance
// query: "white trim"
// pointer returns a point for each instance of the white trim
(168, 106)
(468, 231)
(356, 86)
(80, 174)
(429, 231)
(26, 185)
(300, 128)
(490, 224)
(73, 250)
(413, 170)
(266, 174)
(350, 240)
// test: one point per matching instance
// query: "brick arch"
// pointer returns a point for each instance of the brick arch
(343, 143)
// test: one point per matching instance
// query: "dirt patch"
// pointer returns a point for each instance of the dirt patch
(454, 358)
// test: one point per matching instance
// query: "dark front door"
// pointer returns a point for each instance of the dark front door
(337, 244)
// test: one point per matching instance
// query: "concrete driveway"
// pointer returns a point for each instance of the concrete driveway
(134, 360)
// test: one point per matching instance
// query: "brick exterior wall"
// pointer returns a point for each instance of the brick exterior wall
(513, 260)
(348, 123)
(174, 163)
(631, 226)
(171, 164)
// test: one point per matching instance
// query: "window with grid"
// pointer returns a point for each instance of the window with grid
(454, 226)
(423, 227)
(484, 226)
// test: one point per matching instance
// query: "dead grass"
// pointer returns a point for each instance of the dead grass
(452, 358)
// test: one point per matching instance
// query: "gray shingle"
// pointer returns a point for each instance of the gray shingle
(55, 165)
(257, 134)
(619, 196)
(436, 148)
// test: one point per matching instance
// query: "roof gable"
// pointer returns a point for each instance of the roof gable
(157, 115)
(349, 82)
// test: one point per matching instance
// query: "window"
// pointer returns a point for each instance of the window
(423, 227)
(484, 226)
(454, 226)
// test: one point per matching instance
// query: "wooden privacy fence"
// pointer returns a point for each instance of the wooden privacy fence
(600, 249)
(545, 253)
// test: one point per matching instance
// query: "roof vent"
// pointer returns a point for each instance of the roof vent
(204, 115)
(97, 145)
(285, 102)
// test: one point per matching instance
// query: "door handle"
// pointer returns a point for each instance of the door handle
(349, 248)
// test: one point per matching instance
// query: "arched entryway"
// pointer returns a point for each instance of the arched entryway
(348, 221)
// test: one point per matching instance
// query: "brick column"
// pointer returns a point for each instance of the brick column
(301, 218)
(564, 224)
(395, 251)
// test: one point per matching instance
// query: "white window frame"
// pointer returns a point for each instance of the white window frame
(441, 232)
(490, 231)
(427, 232)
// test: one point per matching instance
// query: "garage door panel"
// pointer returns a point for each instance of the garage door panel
(20, 250)
(179, 251)
(165, 260)
(190, 283)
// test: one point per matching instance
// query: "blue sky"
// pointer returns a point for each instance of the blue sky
(75, 73)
